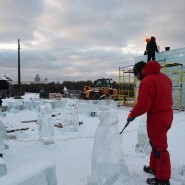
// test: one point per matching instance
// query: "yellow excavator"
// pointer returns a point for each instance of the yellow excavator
(101, 89)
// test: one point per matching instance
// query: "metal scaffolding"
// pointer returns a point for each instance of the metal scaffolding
(126, 91)
(129, 85)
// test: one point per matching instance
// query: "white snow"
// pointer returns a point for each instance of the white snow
(72, 152)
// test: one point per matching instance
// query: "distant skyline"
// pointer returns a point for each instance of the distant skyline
(83, 39)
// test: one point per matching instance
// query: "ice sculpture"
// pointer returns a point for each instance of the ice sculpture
(14, 106)
(45, 124)
(143, 145)
(2, 136)
(70, 119)
(108, 165)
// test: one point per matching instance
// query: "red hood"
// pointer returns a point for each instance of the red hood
(151, 67)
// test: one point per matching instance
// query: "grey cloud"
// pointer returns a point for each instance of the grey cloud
(82, 39)
(19, 18)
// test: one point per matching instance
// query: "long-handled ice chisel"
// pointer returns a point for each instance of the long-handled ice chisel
(125, 127)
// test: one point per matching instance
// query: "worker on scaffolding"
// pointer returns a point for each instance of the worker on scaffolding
(155, 99)
(147, 41)
(151, 48)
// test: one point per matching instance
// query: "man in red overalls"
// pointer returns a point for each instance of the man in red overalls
(155, 99)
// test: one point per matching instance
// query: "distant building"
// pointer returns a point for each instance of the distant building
(37, 78)
(4, 92)
(45, 80)
(6, 78)
(9, 80)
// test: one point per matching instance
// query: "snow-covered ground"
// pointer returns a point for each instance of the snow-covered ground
(72, 150)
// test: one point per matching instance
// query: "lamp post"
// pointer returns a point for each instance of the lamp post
(19, 70)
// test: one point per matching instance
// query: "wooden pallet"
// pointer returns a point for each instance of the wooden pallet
(12, 127)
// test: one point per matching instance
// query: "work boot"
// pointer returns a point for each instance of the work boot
(147, 169)
(154, 181)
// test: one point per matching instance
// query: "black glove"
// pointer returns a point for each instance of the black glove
(129, 118)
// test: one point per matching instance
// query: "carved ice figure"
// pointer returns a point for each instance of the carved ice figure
(142, 137)
(45, 124)
(108, 165)
(70, 118)
(2, 136)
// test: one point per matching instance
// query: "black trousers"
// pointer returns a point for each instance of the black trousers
(151, 56)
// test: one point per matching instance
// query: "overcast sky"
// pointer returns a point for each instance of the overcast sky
(83, 39)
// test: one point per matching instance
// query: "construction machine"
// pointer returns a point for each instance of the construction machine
(101, 89)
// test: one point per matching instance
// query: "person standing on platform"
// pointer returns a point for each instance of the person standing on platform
(151, 48)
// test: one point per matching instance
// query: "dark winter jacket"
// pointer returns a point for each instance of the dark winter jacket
(151, 47)
(155, 92)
